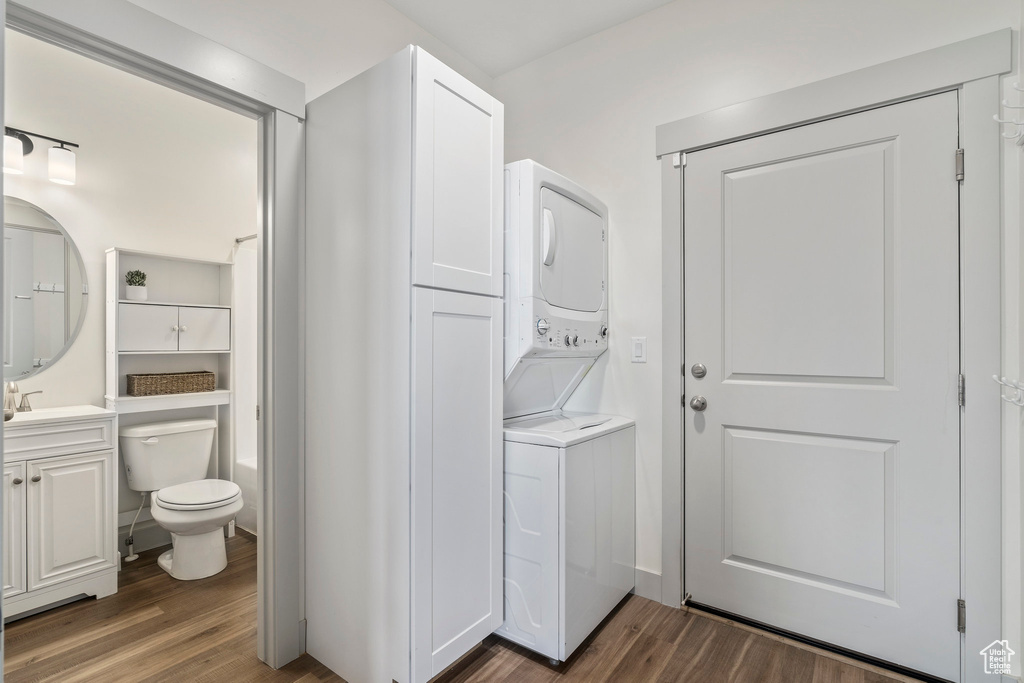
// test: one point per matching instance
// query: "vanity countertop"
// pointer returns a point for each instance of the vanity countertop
(41, 416)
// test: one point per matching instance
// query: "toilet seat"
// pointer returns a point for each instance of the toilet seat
(204, 494)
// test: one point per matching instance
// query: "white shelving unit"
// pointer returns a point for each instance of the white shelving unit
(184, 326)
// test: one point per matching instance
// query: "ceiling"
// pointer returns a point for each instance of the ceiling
(325, 42)
(501, 35)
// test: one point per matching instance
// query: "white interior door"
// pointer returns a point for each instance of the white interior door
(457, 193)
(821, 293)
(456, 476)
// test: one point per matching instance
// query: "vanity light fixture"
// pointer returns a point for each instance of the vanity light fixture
(18, 143)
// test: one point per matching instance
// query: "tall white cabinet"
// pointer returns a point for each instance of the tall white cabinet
(403, 464)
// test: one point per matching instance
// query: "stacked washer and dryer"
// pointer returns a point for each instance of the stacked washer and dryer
(568, 477)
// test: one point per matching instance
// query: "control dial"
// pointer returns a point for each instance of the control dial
(543, 326)
(576, 340)
(568, 340)
(604, 332)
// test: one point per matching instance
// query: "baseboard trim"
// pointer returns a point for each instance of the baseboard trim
(647, 584)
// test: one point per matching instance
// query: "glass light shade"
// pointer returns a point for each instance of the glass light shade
(62, 166)
(14, 155)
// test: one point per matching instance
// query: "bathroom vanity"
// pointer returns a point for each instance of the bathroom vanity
(59, 507)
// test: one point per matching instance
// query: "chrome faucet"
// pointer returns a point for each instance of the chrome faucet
(25, 406)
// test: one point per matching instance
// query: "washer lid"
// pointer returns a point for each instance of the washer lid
(561, 430)
(192, 495)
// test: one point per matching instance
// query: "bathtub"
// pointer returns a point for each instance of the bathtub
(245, 477)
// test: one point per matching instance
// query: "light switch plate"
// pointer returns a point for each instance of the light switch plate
(638, 349)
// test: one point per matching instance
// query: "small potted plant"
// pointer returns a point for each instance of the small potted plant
(135, 289)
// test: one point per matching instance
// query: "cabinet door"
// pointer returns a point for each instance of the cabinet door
(456, 476)
(14, 529)
(457, 182)
(71, 525)
(147, 327)
(204, 329)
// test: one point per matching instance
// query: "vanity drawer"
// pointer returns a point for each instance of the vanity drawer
(36, 441)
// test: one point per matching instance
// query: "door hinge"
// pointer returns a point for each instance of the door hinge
(961, 389)
(961, 616)
(257, 412)
(679, 160)
(959, 165)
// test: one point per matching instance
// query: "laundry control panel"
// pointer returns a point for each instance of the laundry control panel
(549, 334)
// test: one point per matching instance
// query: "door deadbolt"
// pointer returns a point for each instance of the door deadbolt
(698, 370)
(699, 403)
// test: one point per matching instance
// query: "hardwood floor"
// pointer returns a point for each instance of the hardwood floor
(158, 629)
(645, 641)
(155, 629)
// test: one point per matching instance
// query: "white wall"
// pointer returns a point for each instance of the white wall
(322, 43)
(157, 171)
(589, 111)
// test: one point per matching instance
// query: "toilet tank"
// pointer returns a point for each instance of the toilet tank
(161, 454)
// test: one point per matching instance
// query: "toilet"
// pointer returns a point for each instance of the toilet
(170, 460)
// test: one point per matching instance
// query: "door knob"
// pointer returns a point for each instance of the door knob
(37, 478)
(699, 403)
(17, 480)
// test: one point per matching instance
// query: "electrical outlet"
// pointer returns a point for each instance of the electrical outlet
(638, 349)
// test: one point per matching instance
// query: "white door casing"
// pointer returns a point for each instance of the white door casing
(456, 476)
(821, 292)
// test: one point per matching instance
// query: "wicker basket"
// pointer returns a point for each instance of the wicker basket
(171, 383)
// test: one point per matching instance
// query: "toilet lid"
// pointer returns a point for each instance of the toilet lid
(198, 495)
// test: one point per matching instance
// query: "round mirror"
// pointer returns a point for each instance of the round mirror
(44, 289)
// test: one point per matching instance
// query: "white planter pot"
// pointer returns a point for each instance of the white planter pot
(135, 293)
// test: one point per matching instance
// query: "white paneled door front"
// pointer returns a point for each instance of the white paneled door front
(457, 537)
(459, 182)
(821, 295)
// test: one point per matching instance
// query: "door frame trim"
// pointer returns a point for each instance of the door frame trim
(971, 68)
(123, 35)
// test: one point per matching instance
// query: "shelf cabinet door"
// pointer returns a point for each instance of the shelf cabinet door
(14, 529)
(147, 327)
(456, 476)
(71, 527)
(458, 182)
(204, 329)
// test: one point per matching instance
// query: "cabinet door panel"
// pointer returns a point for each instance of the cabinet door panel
(71, 528)
(458, 185)
(147, 327)
(204, 329)
(457, 475)
(14, 529)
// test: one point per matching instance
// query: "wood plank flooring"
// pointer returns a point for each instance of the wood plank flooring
(644, 641)
(158, 629)
(155, 628)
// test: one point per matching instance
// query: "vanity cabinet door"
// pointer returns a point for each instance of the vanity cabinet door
(71, 526)
(204, 329)
(14, 529)
(147, 327)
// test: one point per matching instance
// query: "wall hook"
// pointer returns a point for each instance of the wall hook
(1018, 396)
